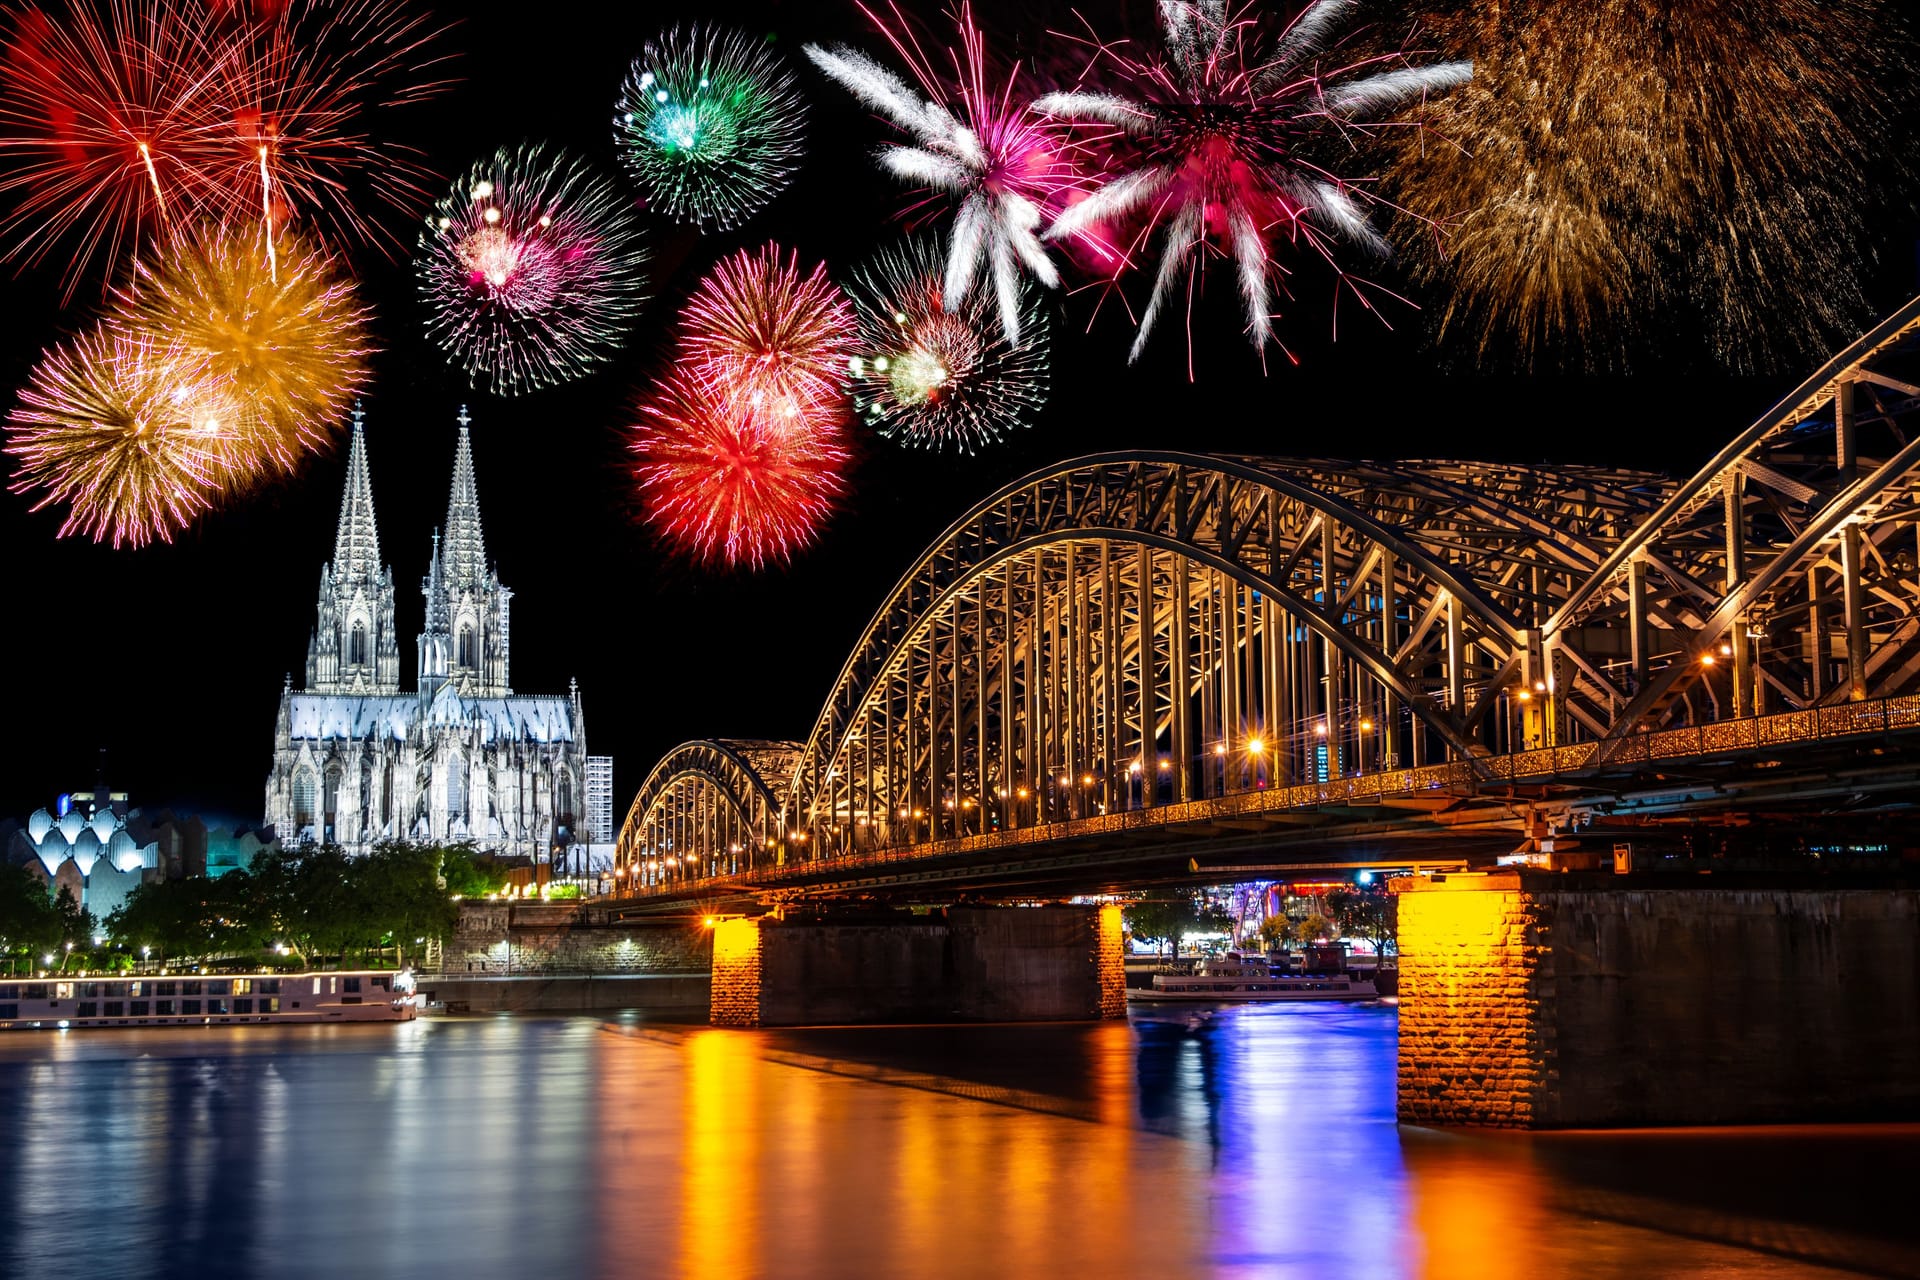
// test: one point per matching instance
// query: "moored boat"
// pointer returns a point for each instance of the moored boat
(1233, 979)
(179, 1000)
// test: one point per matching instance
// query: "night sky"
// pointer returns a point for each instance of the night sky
(171, 657)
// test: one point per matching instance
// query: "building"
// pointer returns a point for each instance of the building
(599, 799)
(356, 760)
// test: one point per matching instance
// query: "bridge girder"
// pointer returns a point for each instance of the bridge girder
(1143, 628)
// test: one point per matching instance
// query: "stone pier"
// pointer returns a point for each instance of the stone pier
(969, 964)
(1539, 1000)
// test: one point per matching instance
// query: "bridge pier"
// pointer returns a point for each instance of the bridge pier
(1536, 1000)
(970, 964)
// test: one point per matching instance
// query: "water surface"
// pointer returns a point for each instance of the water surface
(1258, 1142)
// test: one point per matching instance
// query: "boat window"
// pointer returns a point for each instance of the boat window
(216, 988)
(243, 1005)
(163, 1008)
(138, 1009)
(88, 1009)
(385, 984)
(116, 1009)
(218, 1006)
(63, 991)
(270, 1005)
(90, 989)
(8, 1012)
(165, 988)
(9, 991)
(189, 1006)
(316, 986)
(242, 986)
(270, 986)
(138, 988)
(191, 987)
(350, 984)
(36, 991)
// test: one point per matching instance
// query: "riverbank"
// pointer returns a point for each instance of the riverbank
(568, 994)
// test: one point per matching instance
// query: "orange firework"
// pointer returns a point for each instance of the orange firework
(133, 435)
(289, 337)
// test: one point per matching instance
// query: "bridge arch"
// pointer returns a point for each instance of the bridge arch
(709, 808)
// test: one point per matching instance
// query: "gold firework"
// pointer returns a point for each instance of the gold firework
(288, 334)
(135, 437)
(1613, 162)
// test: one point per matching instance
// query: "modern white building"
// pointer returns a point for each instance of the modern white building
(461, 757)
(599, 800)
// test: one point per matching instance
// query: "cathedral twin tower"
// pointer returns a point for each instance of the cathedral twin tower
(357, 761)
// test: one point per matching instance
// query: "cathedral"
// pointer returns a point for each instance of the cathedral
(357, 761)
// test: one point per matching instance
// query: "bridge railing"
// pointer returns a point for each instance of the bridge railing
(1843, 720)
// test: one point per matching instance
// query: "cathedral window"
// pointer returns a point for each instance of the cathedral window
(357, 645)
(332, 796)
(303, 799)
(466, 658)
(457, 789)
(563, 799)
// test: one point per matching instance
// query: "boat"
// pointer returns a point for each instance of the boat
(200, 1000)
(1234, 979)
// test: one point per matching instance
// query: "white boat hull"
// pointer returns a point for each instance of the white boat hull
(1147, 995)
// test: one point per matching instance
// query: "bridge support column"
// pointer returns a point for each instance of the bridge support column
(1534, 1000)
(970, 964)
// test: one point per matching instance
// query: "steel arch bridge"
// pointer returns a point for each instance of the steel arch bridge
(1117, 639)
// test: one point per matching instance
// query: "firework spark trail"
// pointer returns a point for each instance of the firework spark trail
(1006, 168)
(125, 114)
(532, 270)
(723, 485)
(937, 376)
(1213, 146)
(292, 343)
(709, 125)
(1700, 168)
(756, 331)
(134, 436)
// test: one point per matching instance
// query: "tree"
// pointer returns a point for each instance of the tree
(1274, 932)
(29, 927)
(198, 917)
(1315, 928)
(1172, 919)
(75, 923)
(1361, 913)
(469, 873)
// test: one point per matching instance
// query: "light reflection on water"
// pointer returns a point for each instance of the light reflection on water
(1259, 1142)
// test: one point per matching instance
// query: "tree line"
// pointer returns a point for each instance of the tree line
(305, 905)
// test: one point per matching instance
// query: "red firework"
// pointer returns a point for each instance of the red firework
(757, 332)
(129, 115)
(723, 484)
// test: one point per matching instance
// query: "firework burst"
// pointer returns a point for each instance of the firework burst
(532, 270)
(1005, 168)
(758, 332)
(724, 484)
(1707, 167)
(290, 339)
(709, 123)
(937, 376)
(135, 116)
(132, 435)
(1215, 145)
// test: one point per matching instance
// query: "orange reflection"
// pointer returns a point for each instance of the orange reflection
(1477, 1209)
(720, 1156)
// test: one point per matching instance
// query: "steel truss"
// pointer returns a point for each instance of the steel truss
(1140, 629)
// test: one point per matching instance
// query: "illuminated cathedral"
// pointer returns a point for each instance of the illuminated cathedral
(461, 757)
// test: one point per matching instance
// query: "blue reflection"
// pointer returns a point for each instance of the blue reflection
(1296, 1105)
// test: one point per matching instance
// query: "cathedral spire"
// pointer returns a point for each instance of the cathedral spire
(356, 546)
(466, 550)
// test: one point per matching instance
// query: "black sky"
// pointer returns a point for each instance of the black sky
(172, 657)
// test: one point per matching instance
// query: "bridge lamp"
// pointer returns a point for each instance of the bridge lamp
(906, 813)
(1256, 747)
(1087, 781)
(1022, 793)
(1526, 695)
(1165, 765)
(919, 813)
(1366, 726)
(1726, 649)
(1066, 780)
(1134, 768)
(1707, 659)
(1219, 748)
(1320, 730)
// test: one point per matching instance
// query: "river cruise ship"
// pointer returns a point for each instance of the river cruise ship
(1231, 978)
(63, 1003)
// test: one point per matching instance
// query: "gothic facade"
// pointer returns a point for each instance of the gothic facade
(461, 757)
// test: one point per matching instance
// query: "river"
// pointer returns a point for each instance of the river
(1258, 1142)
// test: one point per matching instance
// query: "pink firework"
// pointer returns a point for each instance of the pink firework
(1212, 145)
(724, 484)
(758, 332)
(1004, 164)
